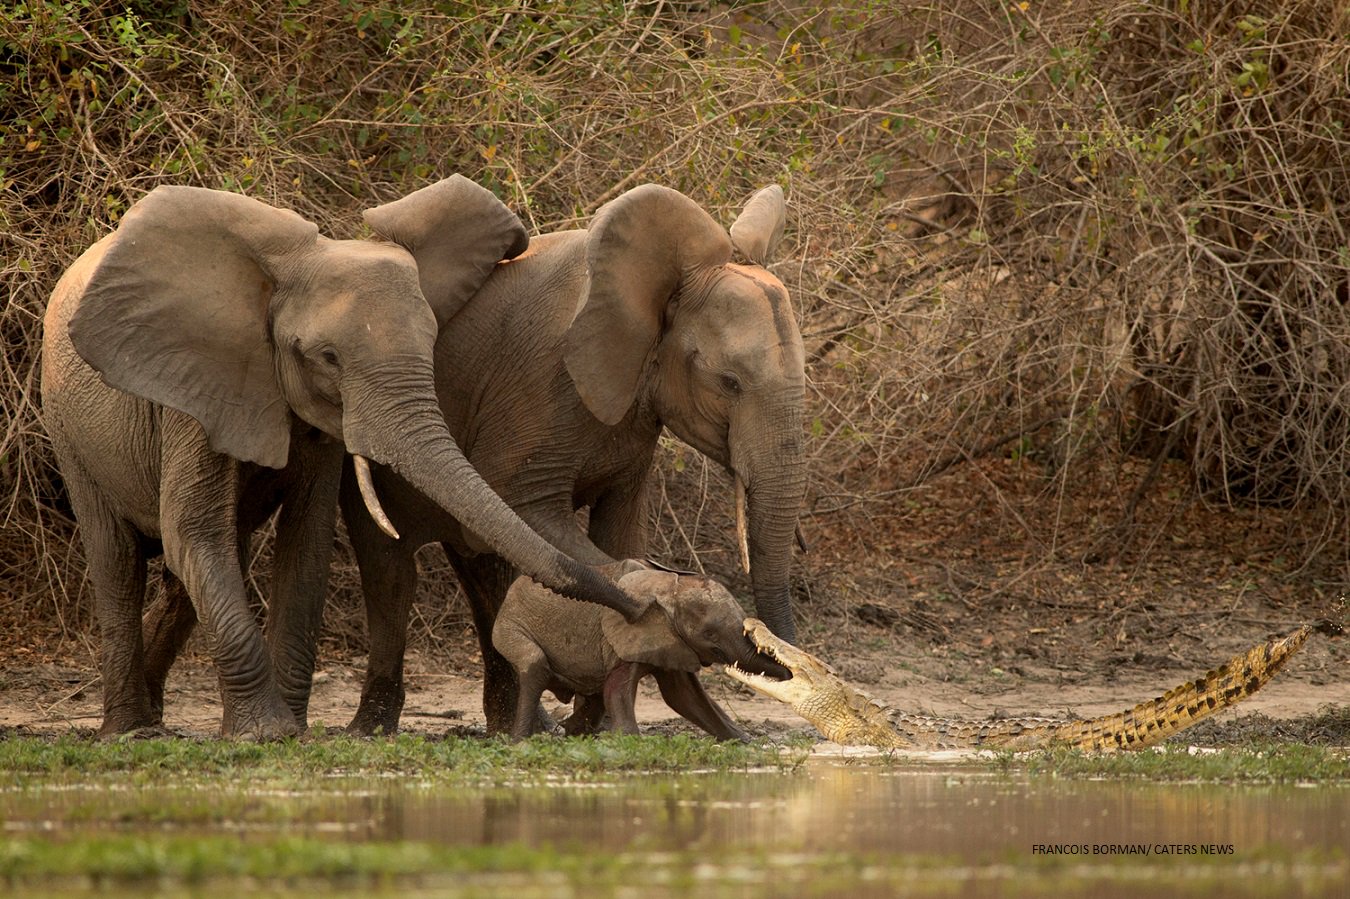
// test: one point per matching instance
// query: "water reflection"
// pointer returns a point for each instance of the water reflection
(844, 808)
(829, 807)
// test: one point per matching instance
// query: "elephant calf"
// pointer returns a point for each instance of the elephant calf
(589, 652)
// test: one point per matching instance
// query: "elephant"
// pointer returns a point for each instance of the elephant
(594, 655)
(557, 378)
(212, 360)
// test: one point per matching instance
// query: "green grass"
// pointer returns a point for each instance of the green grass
(479, 762)
(444, 761)
(1255, 763)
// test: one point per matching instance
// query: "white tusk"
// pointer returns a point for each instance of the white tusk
(741, 537)
(372, 499)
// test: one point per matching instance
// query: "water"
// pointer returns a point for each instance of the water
(828, 829)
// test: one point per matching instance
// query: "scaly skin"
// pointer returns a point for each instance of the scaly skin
(846, 715)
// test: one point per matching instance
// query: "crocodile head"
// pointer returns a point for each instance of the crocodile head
(840, 712)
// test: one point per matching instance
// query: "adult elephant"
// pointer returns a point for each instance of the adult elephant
(557, 378)
(208, 362)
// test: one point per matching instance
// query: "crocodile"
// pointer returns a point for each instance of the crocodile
(847, 715)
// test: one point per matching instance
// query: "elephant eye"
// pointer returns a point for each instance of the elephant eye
(731, 385)
(329, 355)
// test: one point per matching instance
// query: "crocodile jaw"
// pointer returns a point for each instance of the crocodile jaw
(817, 693)
(806, 669)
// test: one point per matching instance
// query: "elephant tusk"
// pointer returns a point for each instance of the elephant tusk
(801, 539)
(371, 497)
(742, 540)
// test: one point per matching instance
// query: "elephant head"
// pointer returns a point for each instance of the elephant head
(670, 319)
(246, 318)
(695, 622)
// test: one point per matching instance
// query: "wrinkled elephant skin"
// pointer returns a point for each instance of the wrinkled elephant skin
(588, 652)
(557, 379)
(210, 361)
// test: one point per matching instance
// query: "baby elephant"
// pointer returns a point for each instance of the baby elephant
(575, 649)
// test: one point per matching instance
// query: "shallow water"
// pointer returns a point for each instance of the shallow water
(830, 828)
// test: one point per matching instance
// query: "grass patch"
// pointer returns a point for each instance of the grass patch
(450, 760)
(1328, 727)
(1256, 763)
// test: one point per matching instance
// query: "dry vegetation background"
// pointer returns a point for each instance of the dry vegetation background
(1072, 275)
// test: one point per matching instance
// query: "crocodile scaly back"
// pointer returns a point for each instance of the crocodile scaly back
(1147, 724)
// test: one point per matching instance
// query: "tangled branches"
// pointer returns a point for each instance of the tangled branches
(1063, 233)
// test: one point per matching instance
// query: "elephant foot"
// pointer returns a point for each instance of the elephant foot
(588, 717)
(128, 717)
(544, 723)
(380, 708)
(263, 731)
(499, 706)
(265, 726)
(499, 716)
(373, 724)
(499, 722)
(146, 732)
(116, 728)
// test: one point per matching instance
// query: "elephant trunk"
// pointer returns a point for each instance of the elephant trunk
(399, 424)
(752, 660)
(774, 479)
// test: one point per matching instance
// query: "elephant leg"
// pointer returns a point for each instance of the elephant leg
(166, 626)
(533, 675)
(388, 582)
(485, 580)
(304, 549)
(198, 507)
(587, 713)
(116, 561)
(618, 520)
(683, 692)
(620, 696)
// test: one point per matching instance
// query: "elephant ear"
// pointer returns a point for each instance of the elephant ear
(641, 248)
(653, 639)
(759, 227)
(457, 231)
(176, 311)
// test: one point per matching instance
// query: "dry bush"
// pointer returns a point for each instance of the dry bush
(1124, 229)
(1057, 231)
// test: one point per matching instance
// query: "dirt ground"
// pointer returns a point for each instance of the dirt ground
(54, 699)
(974, 596)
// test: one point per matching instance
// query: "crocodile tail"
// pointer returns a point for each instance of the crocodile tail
(1149, 723)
